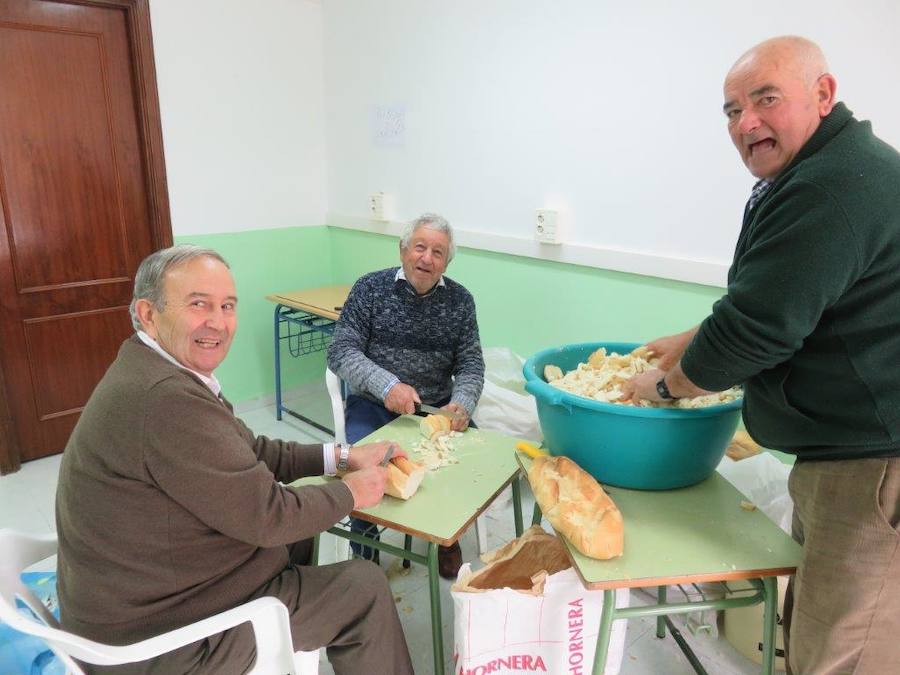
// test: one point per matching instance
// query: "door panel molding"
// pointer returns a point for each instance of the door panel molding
(75, 284)
(143, 71)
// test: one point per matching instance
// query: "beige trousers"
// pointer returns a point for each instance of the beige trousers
(842, 608)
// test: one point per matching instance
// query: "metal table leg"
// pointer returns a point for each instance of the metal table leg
(606, 620)
(663, 610)
(517, 505)
(437, 634)
(660, 620)
(407, 544)
(770, 591)
(685, 647)
(277, 334)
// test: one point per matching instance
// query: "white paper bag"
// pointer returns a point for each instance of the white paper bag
(764, 481)
(506, 631)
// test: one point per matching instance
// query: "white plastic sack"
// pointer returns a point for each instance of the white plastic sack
(506, 631)
(764, 481)
(504, 405)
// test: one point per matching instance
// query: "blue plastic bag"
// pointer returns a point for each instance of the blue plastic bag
(22, 654)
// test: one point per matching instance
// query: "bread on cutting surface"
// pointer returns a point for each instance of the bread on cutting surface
(404, 478)
(577, 507)
(433, 426)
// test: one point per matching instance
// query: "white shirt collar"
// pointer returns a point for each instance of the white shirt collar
(210, 381)
(402, 275)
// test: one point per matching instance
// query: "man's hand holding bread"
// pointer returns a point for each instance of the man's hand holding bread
(366, 479)
(461, 421)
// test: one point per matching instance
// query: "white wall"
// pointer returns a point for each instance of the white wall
(609, 111)
(241, 98)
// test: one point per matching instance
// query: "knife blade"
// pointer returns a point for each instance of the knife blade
(387, 455)
(422, 410)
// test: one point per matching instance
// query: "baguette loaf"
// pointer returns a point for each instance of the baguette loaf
(577, 507)
(404, 478)
(433, 426)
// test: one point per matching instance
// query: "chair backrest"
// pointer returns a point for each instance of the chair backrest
(333, 384)
(268, 616)
(20, 551)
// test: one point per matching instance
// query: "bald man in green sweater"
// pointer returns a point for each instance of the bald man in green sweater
(810, 325)
(169, 509)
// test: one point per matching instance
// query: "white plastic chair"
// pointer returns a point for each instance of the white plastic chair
(268, 616)
(333, 384)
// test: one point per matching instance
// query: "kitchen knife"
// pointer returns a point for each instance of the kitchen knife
(423, 410)
(387, 455)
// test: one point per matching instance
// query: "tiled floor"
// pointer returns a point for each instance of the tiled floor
(26, 503)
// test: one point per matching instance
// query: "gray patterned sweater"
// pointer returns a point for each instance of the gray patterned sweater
(387, 334)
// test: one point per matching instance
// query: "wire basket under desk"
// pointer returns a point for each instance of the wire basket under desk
(304, 333)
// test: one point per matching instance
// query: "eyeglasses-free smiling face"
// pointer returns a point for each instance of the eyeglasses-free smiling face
(425, 260)
(775, 98)
(199, 319)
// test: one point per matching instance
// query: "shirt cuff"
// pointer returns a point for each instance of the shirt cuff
(328, 459)
(388, 387)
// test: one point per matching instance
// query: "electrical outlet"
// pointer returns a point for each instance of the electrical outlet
(546, 227)
(376, 206)
(380, 206)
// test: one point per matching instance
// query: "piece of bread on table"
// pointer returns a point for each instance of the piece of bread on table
(577, 507)
(404, 478)
(742, 446)
(433, 426)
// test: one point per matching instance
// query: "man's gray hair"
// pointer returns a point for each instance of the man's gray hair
(151, 274)
(431, 221)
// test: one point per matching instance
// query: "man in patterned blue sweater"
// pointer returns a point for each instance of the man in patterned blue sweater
(409, 335)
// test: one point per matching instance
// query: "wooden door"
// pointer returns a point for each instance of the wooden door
(82, 202)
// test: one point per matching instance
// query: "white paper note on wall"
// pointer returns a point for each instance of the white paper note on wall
(388, 125)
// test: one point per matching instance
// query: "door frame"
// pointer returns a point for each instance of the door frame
(137, 18)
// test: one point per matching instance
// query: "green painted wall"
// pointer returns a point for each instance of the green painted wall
(523, 303)
(529, 304)
(263, 262)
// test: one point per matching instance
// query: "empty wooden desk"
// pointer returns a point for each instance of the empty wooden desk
(304, 320)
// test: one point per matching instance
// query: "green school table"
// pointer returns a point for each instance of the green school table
(688, 536)
(447, 503)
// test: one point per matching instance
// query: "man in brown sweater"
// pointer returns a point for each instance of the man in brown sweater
(170, 510)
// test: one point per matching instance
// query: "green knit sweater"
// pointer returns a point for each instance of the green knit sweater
(810, 324)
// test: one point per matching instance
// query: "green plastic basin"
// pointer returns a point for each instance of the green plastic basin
(625, 446)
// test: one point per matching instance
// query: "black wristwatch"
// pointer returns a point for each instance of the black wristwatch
(663, 390)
